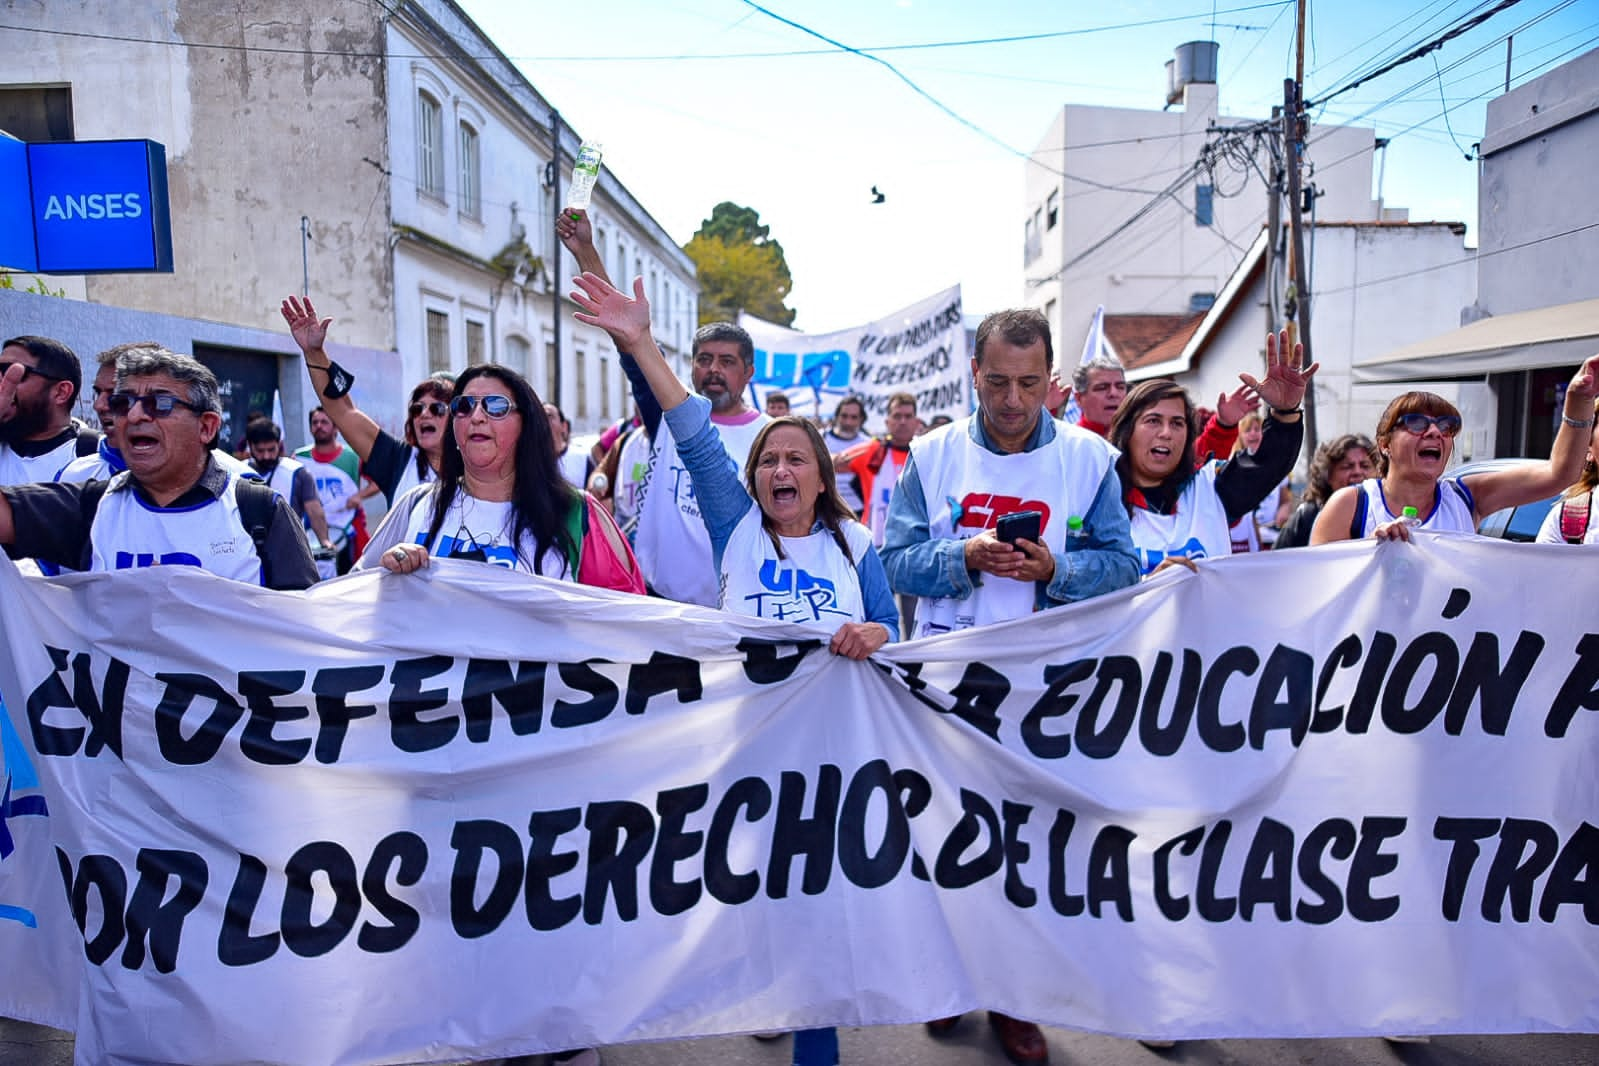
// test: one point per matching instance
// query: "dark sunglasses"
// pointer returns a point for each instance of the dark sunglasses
(495, 406)
(6, 365)
(155, 404)
(1418, 423)
(436, 408)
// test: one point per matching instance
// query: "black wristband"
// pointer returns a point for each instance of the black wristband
(339, 379)
(1288, 410)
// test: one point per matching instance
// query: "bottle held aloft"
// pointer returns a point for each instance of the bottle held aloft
(585, 172)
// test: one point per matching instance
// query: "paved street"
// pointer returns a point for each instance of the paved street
(971, 1045)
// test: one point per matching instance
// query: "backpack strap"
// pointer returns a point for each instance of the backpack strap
(257, 504)
(1574, 514)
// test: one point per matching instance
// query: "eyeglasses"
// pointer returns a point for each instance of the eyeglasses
(1418, 423)
(154, 404)
(6, 365)
(436, 408)
(494, 405)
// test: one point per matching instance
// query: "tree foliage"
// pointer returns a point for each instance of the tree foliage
(740, 267)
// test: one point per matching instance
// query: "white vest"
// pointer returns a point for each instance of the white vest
(480, 525)
(813, 586)
(632, 476)
(410, 479)
(94, 467)
(1197, 531)
(883, 495)
(282, 479)
(673, 548)
(18, 470)
(968, 488)
(1452, 515)
(129, 533)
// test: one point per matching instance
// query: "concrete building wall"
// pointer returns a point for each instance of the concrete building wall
(1536, 193)
(1376, 287)
(255, 138)
(1102, 165)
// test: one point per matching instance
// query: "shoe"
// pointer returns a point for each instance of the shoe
(769, 1036)
(1022, 1042)
(1159, 1045)
(582, 1057)
(942, 1027)
(1408, 1039)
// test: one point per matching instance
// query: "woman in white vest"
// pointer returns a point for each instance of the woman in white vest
(1573, 521)
(500, 497)
(396, 466)
(1415, 443)
(784, 544)
(1179, 512)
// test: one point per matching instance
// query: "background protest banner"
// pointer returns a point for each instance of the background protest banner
(920, 349)
(469, 813)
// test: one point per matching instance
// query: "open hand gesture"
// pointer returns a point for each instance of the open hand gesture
(1285, 383)
(1233, 406)
(308, 331)
(625, 319)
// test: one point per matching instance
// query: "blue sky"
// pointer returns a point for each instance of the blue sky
(690, 117)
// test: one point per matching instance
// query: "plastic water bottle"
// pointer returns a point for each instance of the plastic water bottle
(1076, 535)
(585, 172)
(1410, 517)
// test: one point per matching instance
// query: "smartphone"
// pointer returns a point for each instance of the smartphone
(1019, 525)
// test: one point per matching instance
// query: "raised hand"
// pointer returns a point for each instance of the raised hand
(1586, 381)
(573, 227)
(625, 319)
(1284, 385)
(1232, 406)
(308, 331)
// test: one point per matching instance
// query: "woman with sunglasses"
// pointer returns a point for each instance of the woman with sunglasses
(1415, 441)
(500, 497)
(395, 466)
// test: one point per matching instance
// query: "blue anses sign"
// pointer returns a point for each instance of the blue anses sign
(92, 207)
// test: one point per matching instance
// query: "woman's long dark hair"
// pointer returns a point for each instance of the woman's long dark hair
(831, 509)
(1144, 396)
(541, 501)
(441, 387)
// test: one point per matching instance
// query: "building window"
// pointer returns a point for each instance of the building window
(37, 113)
(438, 342)
(519, 356)
(1032, 243)
(605, 390)
(471, 176)
(474, 343)
(580, 375)
(1204, 201)
(429, 145)
(1052, 209)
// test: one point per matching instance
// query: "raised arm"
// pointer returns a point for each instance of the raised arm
(310, 332)
(1526, 482)
(627, 320)
(577, 234)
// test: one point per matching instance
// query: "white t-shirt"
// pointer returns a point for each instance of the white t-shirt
(473, 528)
(1452, 514)
(1549, 532)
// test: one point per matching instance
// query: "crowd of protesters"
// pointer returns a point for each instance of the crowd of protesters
(702, 498)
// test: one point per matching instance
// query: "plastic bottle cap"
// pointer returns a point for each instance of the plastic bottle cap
(1074, 523)
(1410, 512)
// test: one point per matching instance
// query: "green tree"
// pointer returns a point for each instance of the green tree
(740, 267)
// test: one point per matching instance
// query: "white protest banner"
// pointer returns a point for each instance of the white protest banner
(1347, 791)
(920, 349)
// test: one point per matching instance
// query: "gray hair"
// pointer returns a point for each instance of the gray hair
(140, 361)
(1099, 362)
(110, 356)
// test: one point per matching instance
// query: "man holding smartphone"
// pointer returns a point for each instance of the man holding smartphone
(977, 528)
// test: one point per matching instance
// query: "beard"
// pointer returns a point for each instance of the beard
(29, 421)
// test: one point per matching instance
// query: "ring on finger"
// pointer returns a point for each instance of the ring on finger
(399, 555)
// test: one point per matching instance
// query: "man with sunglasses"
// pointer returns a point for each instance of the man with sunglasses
(174, 505)
(38, 435)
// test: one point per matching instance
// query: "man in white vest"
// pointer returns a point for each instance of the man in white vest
(174, 505)
(942, 543)
(673, 549)
(38, 435)
(287, 477)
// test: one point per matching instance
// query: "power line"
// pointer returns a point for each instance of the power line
(1481, 255)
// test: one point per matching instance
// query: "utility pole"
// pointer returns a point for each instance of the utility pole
(555, 259)
(1274, 222)
(1297, 308)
